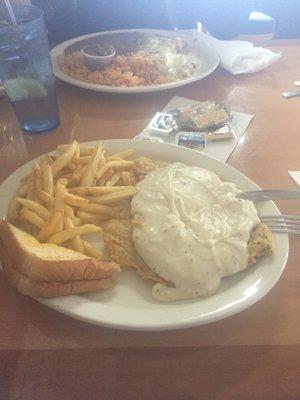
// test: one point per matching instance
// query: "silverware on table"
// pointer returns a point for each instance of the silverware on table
(282, 223)
(262, 195)
(291, 93)
(276, 223)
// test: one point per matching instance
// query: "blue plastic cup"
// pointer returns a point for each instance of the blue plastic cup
(26, 70)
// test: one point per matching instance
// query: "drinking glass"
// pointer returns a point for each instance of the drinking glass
(26, 70)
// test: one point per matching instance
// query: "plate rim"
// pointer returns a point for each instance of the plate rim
(127, 90)
(165, 326)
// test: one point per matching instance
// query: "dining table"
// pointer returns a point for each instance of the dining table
(254, 354)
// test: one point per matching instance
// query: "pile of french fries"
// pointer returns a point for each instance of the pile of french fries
(69, 195)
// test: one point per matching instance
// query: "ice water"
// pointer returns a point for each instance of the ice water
(26, 71)
(36, 109)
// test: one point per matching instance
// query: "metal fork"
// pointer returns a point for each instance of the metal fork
(262, 195)
(282, 223)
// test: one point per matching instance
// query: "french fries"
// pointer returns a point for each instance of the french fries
(37, 208)
(105, 177)
(102, 160)
(97, 190)
(47, 174)
(113, 212)
(76, 154)
(70, 213)
(59, 201)
(128, 178)
(72, 194)
(46, 198)
(77, 221)
(84, 150)
(91, 168)
(115, 196)
(75, 201)
(77, 174)
(52, 225)
(76, 241)
(23, 189)
(14, 207)
(114, 165)
(123, 154)
(91, 218)
(70, 233)
(64, 158)
(120, 165)
(45, 160)
(31, 217)
(31, 188)
(82, 160)
(91, 250)
(13, 210)
(37, 179)
(25, 178)
(113, 180)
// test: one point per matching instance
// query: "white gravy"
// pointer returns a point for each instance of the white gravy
(193, 231)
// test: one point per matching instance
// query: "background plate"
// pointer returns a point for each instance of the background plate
(209, 58)
(129, 305)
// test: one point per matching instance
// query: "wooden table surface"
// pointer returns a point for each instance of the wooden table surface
(252, 355)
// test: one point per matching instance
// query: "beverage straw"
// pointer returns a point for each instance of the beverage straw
(10, 12)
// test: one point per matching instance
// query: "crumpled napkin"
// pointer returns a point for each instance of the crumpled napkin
(240, 57)
(295, 175)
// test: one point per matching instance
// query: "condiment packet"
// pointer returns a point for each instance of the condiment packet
(223, 133)
(201, 116)
(163, 124)
(220, 149)
(192, 140)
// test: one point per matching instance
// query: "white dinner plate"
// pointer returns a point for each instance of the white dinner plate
(209, 58)
(129, 304)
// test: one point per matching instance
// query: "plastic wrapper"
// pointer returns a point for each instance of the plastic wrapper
(202, 116)
(224, 132)
(192, 140)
